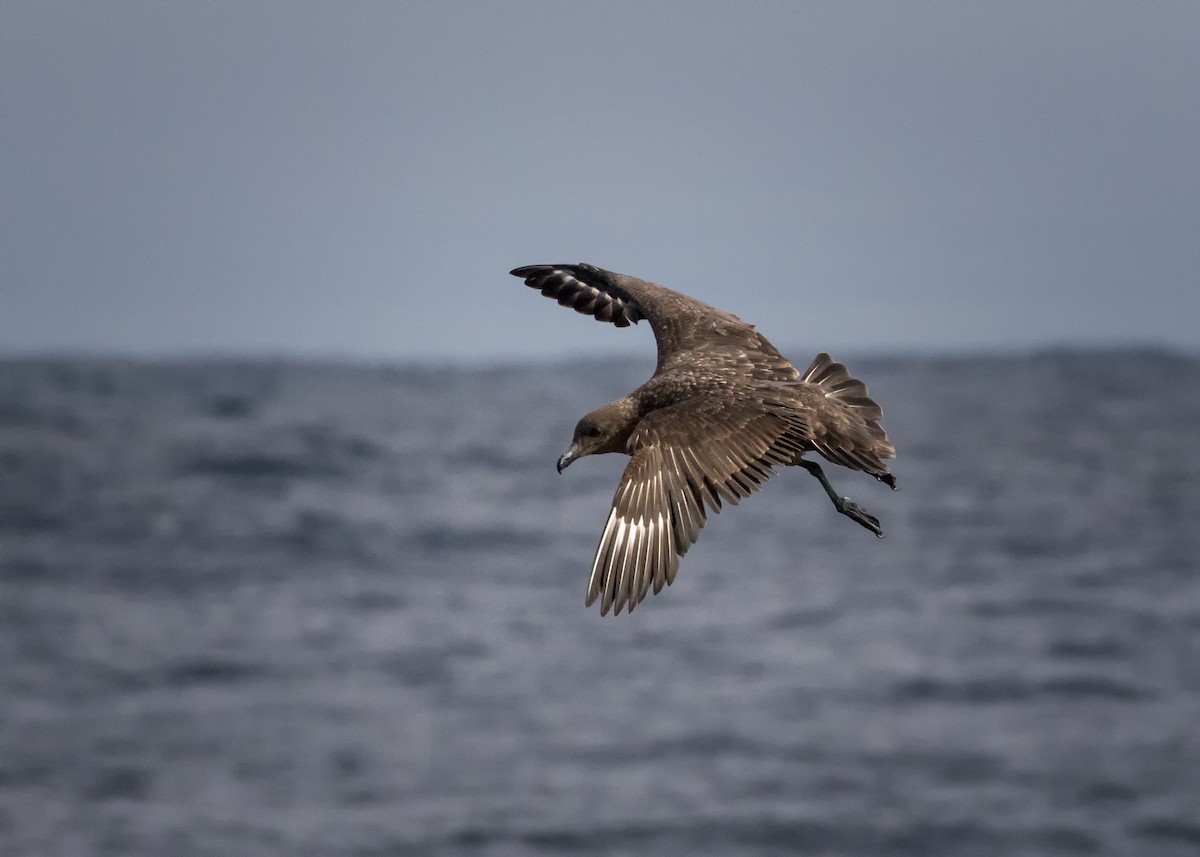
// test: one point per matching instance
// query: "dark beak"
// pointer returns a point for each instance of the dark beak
(567, 457)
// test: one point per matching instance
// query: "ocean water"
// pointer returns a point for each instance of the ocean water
(260, 608)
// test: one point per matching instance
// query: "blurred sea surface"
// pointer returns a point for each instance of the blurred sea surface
(273, 607)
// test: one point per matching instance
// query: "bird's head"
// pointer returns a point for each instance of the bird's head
(605, 429)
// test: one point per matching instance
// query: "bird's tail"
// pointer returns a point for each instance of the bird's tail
(865, 446)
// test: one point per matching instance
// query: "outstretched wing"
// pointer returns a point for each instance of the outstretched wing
(689, 332)
(685, 457)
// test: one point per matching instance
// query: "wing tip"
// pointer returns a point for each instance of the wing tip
(526, 271)
(585, 288)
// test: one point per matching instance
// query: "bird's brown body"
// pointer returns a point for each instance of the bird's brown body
(723, 409)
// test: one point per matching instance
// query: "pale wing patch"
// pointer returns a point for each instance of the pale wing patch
(636, 549)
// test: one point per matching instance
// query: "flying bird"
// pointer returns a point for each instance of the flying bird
(722, 411)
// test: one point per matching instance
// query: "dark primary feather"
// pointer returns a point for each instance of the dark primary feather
(722, 411)
(584, 289)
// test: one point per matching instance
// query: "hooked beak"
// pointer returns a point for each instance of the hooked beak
(567, 457)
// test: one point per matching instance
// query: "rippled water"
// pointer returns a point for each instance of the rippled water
(283, 608)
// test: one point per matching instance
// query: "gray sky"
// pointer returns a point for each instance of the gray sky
(357, 178)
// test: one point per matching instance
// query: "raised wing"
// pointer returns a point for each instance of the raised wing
(585, 289)
(684, 458)
(689, 332)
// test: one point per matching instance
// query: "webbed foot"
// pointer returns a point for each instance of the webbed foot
(855, 512)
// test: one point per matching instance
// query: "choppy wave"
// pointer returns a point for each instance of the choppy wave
(316, 609)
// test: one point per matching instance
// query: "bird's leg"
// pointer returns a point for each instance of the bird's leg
(843, 504)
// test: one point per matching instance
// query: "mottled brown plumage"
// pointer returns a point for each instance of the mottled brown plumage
(722, 411)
